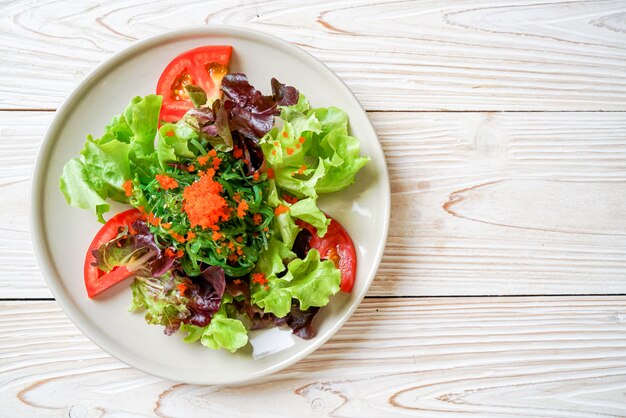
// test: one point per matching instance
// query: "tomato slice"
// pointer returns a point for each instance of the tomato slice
(204, 66)
(97, 280)
(338, 247)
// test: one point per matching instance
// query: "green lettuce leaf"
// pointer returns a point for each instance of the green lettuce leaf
(343, 162)
(196, 94)
(289, 112)
(223, 331)
(173, 142)
(307, 210)
(98, 175)
(117, 129)
(286, 229)
(142, 115)
(300, 186)
(124, 152)
(312, 153)
(310, 281)
(108, 166)
(78, 189)
(137, 124)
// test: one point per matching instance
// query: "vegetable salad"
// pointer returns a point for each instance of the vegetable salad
(223, 234)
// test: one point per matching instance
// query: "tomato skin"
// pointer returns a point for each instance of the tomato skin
(95, 279)
(194, 64)
(337, 246)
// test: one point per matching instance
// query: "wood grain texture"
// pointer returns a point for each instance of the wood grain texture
(509, 203)
(395, 55)
(21, 134)
(487, 357)
(483, 203)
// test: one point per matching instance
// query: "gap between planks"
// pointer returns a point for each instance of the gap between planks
(395, 111)
(562, 295)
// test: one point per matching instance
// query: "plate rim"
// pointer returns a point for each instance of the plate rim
(39, 237)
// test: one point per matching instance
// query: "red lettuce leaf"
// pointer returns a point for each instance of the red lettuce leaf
(284, 95)
(250, 112)
(300, 322)
(205, 295)
(135, 249)
(212, 123)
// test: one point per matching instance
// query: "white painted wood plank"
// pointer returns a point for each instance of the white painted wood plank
(483, 203)
(433, 55)
(505, 203)
(20, 136)
(487, 357)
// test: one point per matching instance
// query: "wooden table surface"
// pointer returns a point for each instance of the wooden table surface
(502, 292)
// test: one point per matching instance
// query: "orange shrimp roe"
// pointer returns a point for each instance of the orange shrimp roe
(166, 182)
(237, 152)
(153, 220)
(280, 209)
(203, 204)
(128, 188)
(177, 237)
(242, 207)
(259, 278)
(257, 218)
(202, 160)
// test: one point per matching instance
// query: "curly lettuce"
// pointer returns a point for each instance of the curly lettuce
(312, 152)
(124, 151)
(161, 301)
(224, 330)
(311, 281)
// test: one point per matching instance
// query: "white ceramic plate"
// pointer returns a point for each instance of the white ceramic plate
(61, 234)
